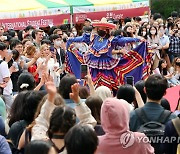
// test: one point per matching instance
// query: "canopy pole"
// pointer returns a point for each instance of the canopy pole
(71, 16)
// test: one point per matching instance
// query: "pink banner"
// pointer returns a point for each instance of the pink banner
(41, 21)
(115, 14)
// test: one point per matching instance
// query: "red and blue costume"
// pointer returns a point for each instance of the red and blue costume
(104, 68)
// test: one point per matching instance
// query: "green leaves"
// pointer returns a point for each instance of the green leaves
(165, 7)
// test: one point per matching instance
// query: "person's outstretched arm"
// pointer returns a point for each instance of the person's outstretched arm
(82, 111)
(39, 131)
(84, 38)
(121, 41)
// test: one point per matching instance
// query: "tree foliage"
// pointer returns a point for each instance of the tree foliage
(165, 7)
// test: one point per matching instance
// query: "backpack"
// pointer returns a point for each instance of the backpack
(13, 148)
(154, 130)
(176, 123)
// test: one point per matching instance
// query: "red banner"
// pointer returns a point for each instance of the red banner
(41, 21)
(44, 21)
(115, 14)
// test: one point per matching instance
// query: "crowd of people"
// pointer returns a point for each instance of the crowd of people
(45, 108)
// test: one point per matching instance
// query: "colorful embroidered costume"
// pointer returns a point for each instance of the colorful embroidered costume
(105, 69)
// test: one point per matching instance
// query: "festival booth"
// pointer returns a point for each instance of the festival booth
(42, 13)
(17, 14)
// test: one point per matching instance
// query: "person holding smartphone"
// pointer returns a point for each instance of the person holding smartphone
(48, 63)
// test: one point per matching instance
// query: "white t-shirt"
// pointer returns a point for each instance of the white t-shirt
(4, 73)
(39, 61)
(51, 67)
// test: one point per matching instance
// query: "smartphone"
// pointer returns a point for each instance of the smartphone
(51, 49)
(130, 80)
(84, 70)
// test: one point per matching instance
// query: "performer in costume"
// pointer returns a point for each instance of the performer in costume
(104, 68)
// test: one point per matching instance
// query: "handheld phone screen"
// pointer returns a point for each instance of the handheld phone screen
(130, 80)
(51, 49)
(84, 70)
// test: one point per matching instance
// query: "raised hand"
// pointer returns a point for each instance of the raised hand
(37, 55)
(75, 93)
(88, 78)
(51, 88)
(48, 77)
(90, 83)
(43, 78)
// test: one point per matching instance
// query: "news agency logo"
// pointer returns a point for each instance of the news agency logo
(159, 139)
(127, 139)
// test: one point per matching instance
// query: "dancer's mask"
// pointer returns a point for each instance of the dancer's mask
(101, 33)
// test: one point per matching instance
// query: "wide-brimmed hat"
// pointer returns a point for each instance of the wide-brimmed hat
(104, 23)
